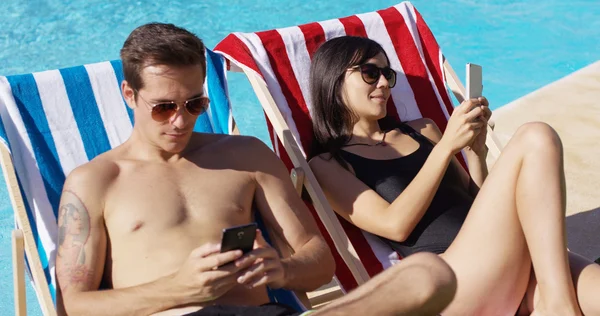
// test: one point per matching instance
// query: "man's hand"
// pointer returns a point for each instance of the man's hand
(207, 274)
(266, 269)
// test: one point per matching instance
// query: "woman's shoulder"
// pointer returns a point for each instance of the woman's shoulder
(421, 123)
(321, 159)
(425, 127)
(326, 163)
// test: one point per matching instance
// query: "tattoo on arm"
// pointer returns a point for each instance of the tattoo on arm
(73, 235)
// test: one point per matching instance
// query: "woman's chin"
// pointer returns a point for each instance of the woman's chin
(378, 116)
(375, 115)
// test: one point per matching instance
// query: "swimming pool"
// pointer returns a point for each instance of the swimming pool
(522, 45)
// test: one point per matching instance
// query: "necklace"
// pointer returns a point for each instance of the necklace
(379, 143)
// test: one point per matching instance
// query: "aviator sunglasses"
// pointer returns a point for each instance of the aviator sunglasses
(163, 111)
(370, 73)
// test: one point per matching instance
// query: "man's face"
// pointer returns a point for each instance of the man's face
(165, 84)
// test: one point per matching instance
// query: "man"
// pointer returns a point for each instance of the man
(150, 212)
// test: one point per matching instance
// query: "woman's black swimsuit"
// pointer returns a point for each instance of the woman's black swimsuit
(449, 207)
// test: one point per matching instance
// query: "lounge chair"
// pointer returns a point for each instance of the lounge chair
(54, 121)
(277, 64)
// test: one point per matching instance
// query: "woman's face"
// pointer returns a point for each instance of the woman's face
(367, 101)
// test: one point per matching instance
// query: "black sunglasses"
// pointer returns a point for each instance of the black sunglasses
(370, 73)
(165, 110)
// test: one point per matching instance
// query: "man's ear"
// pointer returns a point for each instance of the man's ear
(128, 94)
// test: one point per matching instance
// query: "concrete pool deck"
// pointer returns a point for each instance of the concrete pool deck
(572, 106)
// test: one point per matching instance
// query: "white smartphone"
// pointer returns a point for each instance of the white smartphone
(474, 81)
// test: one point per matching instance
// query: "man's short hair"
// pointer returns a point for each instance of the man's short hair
(159, 44)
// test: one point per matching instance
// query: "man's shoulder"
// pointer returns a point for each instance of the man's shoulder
(236, 151)
(220, 143)
(96, 173)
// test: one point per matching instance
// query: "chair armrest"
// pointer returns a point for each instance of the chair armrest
(18, 256)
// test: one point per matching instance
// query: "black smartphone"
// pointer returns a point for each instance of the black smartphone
(239, 237)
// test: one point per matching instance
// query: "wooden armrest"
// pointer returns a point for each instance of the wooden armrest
(297, 175)
(18, 254)
(325, 295)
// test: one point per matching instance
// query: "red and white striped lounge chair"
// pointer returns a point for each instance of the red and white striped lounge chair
(277, 63)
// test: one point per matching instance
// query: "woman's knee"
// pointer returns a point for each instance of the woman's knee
(538, 135)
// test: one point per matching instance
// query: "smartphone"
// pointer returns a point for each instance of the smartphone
(474, 81)
(239, 237)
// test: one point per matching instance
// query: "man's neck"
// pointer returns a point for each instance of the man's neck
(144, 149)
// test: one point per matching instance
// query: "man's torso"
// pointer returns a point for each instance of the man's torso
(157, 213)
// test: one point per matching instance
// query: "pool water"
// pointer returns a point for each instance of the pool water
(521, 44)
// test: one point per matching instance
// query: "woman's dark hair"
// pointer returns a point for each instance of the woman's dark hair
(332, 119)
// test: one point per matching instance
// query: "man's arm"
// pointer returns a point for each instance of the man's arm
(285, 213)
(82, 251)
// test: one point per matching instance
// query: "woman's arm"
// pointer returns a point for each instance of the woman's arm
(363, 207)
(477, 151)
(478, 171)
(477, 168)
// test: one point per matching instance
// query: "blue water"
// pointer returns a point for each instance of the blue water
(522, 45)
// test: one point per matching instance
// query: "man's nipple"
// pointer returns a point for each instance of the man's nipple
(136, 226)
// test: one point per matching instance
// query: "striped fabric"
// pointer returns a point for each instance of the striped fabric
(281, 57)
(54, 121)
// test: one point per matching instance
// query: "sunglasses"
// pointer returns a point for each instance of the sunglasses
(163, 111)
(370, 74)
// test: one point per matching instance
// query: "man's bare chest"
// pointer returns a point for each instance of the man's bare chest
(162, 200)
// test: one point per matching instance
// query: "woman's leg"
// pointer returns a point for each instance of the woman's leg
(586, 277)
(517, 219)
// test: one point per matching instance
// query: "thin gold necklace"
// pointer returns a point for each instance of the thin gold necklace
(379, 143)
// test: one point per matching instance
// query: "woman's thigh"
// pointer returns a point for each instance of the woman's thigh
(489, 255)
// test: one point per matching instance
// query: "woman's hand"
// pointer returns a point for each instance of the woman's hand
(478, 145)
(465, 125)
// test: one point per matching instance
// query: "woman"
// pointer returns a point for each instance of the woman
(502, 233)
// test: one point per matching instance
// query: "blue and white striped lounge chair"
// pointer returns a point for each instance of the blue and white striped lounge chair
(52, 122)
